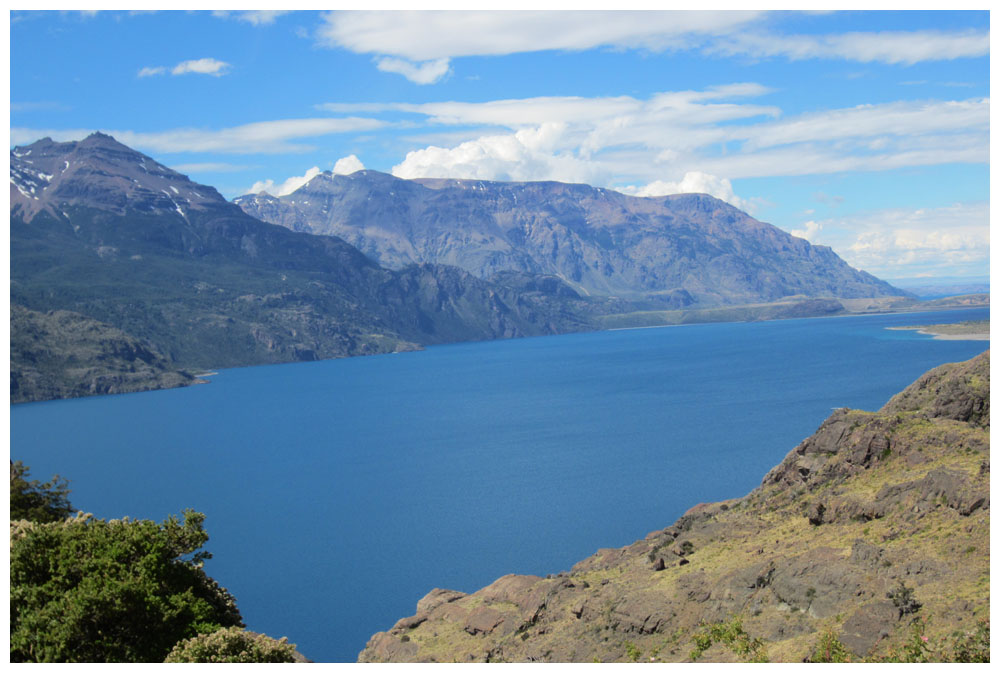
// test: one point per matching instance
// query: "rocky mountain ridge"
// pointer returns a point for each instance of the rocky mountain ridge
(872, 529)
(683, 250)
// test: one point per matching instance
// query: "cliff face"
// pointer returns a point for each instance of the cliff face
(876, 520)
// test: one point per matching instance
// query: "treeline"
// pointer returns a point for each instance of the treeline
(84, 589)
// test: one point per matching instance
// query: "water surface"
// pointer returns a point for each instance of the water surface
(338, 493)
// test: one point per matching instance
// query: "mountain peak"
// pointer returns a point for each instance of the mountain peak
(98, 172)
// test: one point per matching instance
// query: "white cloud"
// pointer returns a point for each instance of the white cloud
(344, 166)
(694, 182)
(287, 187)
(901, 118)
(893, 47)
(201, 66)
(809, 231)
(270, 137)
(431, 35)
(347, 165)
(671, 134)
(150, 71)
(952, 240)
(259, 17)
(529, 154)
(428, 72)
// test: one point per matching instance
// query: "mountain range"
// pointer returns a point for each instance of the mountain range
(105, 232)
(144, 260)
(683, 250)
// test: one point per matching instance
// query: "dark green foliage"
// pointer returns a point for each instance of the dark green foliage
(90, 590)
(34, 501)
(732, 635)
(902, 598)
(232, 645)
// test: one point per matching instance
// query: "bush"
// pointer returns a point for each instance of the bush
(232, 645)
(732, 635)
(829, 650)
(35, 501)
(89, 590)
(902, 598)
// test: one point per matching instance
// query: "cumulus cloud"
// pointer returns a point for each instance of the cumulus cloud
(947, 241)
(529, 154)
(286, 187)
(809, 231)
(347, 165)
(428, 72)
(201, 66)
(694, 182)
(344, 166)
(269, 137)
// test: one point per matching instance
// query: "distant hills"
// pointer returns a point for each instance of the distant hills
(138, 252)
(685, 250)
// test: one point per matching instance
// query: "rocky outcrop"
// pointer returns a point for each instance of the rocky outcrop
(873, 521)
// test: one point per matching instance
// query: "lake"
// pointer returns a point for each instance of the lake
(338, 493)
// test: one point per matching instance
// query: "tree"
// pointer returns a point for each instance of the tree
(35, 501)
(89, 590)
(232, 645)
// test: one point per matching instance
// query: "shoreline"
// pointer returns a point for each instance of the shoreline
(929, 330)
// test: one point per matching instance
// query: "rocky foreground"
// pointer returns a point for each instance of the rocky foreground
(875, 525)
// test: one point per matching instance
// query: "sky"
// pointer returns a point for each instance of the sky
(867, 131)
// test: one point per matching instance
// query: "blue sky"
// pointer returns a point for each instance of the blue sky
(865, 131)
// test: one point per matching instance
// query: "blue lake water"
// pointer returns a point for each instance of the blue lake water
(338, 493)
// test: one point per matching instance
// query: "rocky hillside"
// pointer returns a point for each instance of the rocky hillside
(686, 249)
(63, 354)
(870, 537)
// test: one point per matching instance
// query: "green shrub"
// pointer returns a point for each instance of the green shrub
(90, 590)
(829, 650)
(232, 645)
(35, 501)
(732, 635)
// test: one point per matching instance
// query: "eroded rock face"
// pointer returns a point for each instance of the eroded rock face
(823, 544)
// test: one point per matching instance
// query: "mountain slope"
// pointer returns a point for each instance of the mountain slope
(106, 232)
(689, 249)
(877, 523)
(63, 354)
